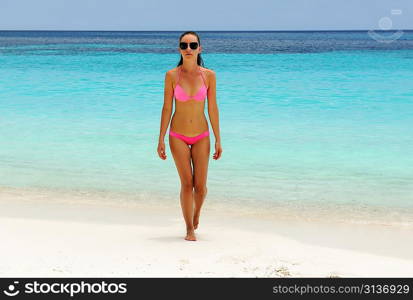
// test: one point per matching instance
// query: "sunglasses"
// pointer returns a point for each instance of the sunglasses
(193, 45)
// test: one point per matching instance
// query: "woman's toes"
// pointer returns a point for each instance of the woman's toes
(190, 236)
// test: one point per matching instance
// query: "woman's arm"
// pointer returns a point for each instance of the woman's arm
(213, 106)
(167, 105)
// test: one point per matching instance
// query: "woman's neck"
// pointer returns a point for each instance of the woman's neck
(190, 66)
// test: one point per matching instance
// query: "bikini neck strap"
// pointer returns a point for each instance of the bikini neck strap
(180, 70)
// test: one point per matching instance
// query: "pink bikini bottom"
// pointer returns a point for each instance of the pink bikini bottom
(187, 139)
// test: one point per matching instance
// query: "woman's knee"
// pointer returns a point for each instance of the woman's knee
(187, 185)
(200, 189)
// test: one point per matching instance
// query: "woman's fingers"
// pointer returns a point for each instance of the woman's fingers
(217, 154)
(162, 155)
(161, 152)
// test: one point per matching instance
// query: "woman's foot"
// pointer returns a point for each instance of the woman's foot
(190, 235)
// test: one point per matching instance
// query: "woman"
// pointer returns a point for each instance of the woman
(190, 83)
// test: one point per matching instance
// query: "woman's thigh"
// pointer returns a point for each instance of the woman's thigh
(200, 152)
(182, 157)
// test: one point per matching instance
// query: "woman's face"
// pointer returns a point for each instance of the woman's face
(189, 53)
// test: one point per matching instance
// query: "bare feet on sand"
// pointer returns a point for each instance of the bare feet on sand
(190, 235)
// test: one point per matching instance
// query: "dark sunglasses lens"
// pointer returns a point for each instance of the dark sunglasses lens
(193, 45)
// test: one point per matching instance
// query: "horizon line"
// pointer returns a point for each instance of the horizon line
(261, 30)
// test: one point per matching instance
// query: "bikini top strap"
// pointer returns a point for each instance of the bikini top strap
(179, 74)
(202, 75)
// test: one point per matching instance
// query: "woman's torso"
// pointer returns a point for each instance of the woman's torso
(189, 118)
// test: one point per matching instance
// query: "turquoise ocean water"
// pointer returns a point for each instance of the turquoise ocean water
(311, 122)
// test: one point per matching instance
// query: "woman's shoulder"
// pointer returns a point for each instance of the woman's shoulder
(172, 71)
(172, 74)
(208, 72)
(209, 75)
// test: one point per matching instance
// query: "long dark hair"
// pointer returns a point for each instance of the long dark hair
(199, 59)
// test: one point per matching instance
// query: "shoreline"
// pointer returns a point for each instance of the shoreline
(101, 239)
(337, 213)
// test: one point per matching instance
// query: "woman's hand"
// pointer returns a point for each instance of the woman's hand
(218, 151)
(161, 150)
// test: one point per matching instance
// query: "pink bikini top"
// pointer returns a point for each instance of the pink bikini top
(180, 94)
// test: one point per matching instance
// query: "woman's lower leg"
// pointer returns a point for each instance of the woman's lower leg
(187, 205)
(199, 197)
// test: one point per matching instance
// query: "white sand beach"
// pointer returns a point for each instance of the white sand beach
(47, 235)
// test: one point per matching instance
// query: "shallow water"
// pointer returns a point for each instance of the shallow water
(311, 121)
